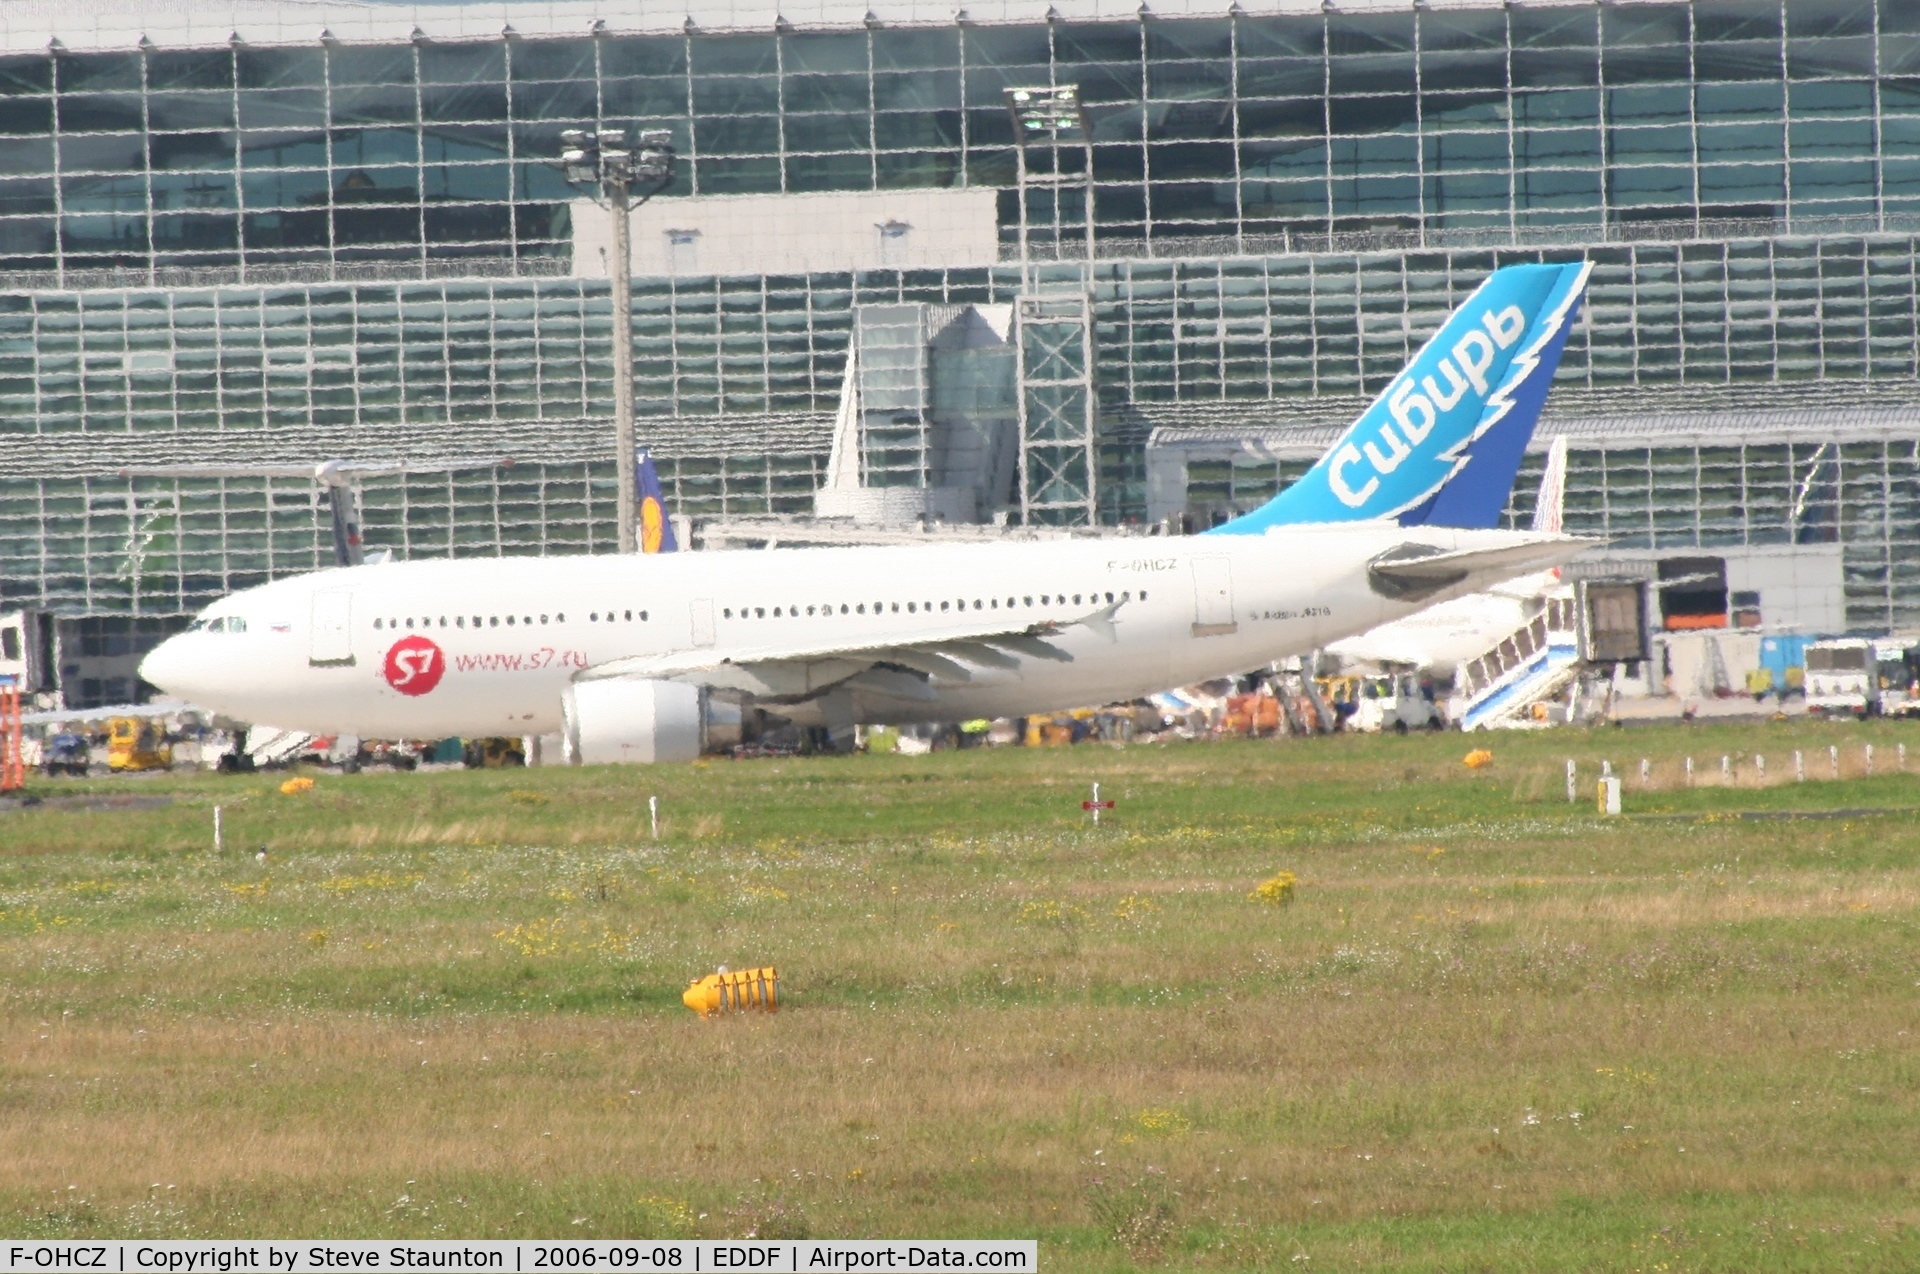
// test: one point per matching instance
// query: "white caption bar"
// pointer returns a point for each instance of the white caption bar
(279, 1256)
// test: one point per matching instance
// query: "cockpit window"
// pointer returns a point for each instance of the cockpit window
(235, 624)
(198, 625)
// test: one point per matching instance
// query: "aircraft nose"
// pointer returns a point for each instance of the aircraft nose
(168, 667)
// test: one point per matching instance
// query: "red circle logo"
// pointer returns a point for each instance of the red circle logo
(414, 665)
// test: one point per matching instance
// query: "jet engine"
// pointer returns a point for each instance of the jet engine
(632, 721)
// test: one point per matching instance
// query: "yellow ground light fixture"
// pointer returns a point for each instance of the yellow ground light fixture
(725, 992)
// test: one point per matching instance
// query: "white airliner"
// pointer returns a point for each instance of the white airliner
(615, 652)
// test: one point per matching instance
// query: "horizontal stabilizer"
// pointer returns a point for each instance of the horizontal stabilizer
(1414, 572)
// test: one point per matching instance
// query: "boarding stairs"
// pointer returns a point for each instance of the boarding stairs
(1533, 663)
(269, 745)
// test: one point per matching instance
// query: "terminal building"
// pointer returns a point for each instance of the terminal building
(239, 240)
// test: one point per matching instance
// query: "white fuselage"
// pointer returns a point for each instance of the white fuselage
(346, 651)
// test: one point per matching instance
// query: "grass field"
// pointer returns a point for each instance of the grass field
(1491, 1031)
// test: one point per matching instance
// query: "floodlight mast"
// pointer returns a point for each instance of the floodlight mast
(1050, 115)
(618, 166)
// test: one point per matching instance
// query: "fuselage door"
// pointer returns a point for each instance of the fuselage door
(330, 635)
(1213, 597)
(703, 623)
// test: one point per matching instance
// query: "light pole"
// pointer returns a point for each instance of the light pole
(605, 159)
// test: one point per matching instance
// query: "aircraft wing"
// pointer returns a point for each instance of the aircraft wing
(93, 716)
(797, 671)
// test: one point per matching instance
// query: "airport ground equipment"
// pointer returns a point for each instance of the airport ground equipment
(398, 755)
(66, 752)
(267, 746)
(1339, 693)
(493, 753)
(1256, 715)
(1909, 670)
(13, 770)
(1394, 702)
(1862, 677)
(1784, 658)
(137, 743)
(725, 992)
(1530, 665)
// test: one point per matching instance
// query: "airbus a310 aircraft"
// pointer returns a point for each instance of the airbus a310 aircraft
(615, 651)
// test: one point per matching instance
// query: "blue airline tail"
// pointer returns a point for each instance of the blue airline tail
(656, 528)
(1442, 444)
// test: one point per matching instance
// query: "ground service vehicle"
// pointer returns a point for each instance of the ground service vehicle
(66, 753)
(493, 753)
(1861, 676)
(1899, 677)
(1393, 701)
(135, 743)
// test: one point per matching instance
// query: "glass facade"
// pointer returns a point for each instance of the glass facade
(1431, 121)
(216, 262)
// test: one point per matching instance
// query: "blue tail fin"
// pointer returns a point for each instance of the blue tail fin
(656, 528)
(1442, 444)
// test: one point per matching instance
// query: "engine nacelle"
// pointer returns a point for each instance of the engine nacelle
(632, 721)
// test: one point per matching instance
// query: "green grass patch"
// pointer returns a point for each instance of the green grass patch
(1486, 1029)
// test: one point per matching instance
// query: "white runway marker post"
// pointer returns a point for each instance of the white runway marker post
(1799, 767)
(1689, 771)
(1096, 805)
(1726, 769)
(216, 829)
(1869, 760)
(1646, 772)
(653, 815)
(1573, 791)
(1833, 760)
(1760, 767)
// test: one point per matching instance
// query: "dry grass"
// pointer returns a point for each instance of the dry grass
(1491, 1032)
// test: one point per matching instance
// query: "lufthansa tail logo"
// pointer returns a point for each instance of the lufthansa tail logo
(653, 520)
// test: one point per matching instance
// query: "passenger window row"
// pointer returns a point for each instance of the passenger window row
(479, 621)
(914, 608)
(488, 621)
(224, 624)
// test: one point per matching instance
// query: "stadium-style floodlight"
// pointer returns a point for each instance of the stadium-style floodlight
(1048, 118)
(621, 167)
(1046, 110)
